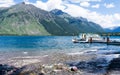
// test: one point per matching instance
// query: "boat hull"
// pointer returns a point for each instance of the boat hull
(108, 43)
(113, 43)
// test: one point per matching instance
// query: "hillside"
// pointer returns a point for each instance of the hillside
(81, 24)
(18, 20)
(26, 19)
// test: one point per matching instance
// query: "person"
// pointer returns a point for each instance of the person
(83, 36)
(108, 40)
(90, 40)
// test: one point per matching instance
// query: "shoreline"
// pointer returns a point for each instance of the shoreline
(86, 62)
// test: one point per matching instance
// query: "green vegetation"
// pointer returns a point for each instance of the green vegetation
(19, 23)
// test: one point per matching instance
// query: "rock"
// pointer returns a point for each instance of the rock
(6, 69)
(114, 64)
(74, 69)
(41, 74)
(94, 65)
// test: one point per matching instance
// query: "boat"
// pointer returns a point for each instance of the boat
(88, 38)
(94, 38)
(76, 40)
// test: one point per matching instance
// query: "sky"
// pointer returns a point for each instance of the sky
(103, 12)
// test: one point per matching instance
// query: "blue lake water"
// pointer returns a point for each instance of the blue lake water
(38, 45)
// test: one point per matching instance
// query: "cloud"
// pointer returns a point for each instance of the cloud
(78, 1)
(40, 4)
(95, 6)
(55, 4)
(109, 5)
(85, 4)
(76, 10)
(6, 3)
(26, 1)
(117, 16)
(104, 20)
(50, 5)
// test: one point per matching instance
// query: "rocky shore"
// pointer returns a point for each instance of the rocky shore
(62, 64)
(114, 67)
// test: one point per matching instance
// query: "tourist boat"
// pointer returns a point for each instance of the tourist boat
(94, 38)
(88, 38)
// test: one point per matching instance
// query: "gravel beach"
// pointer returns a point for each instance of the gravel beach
(61, 63)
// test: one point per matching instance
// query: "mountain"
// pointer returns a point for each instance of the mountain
(81, 24)
(113, 29)
(18, 20)
(26, 19)
(108, 30)
(116, 29)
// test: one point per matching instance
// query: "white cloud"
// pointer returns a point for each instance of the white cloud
(40, 4)
(95, 6)
(6, 3)
(85, 4)
(55, 4)
(117, 16)
(76, 10)
(109, 5)
(26, 1)
(50, 5)
(78, 1)
(104, 20)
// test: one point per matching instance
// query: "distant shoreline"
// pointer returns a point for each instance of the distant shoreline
(102, 34)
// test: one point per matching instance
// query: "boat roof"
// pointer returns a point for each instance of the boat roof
(90, 35)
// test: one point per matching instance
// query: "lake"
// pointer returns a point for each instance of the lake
(13, 46)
